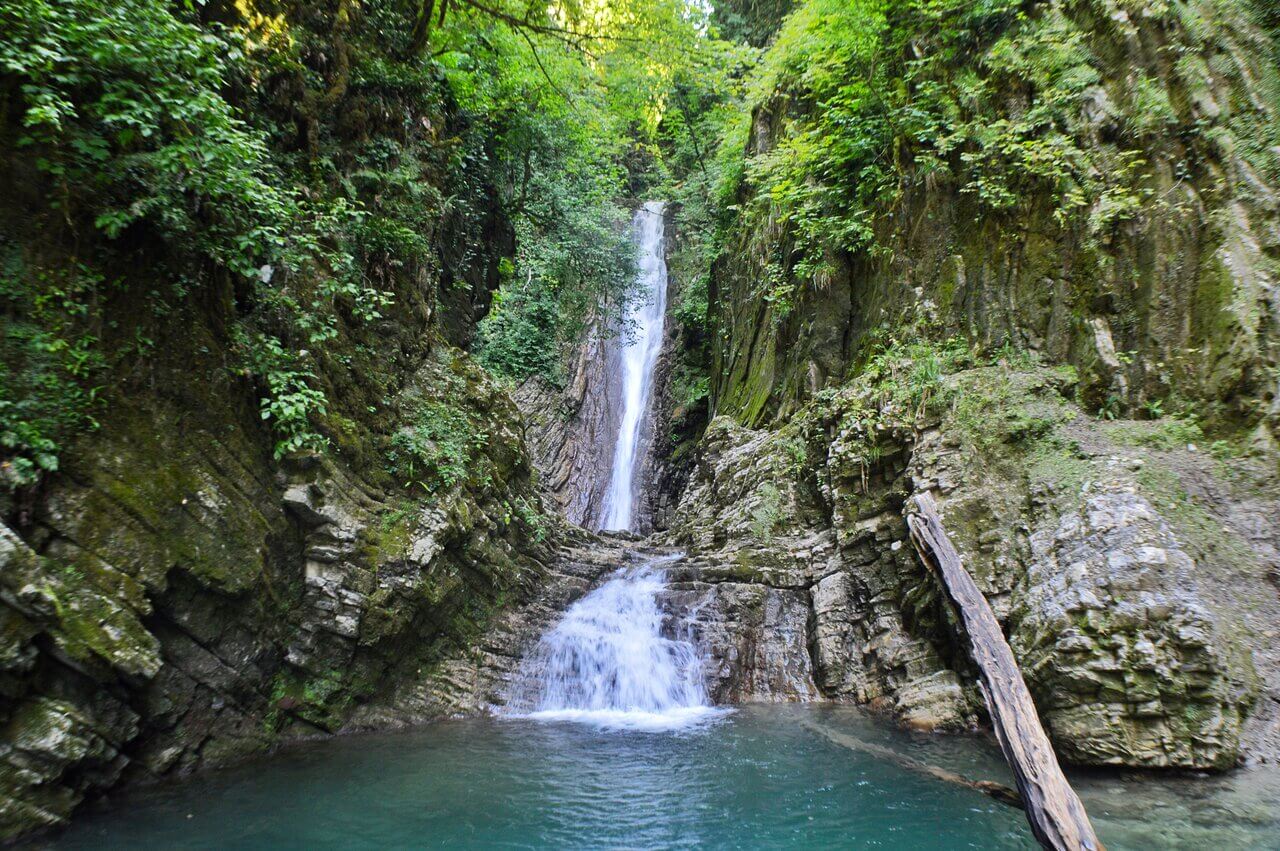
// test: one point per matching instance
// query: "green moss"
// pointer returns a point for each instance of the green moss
(998, 410)
(388, 538)
(1211, 318)
(1060, 464)
(322, 699)
(1208, 542)
(747, 398)
(1168, 433)
(1149, 109)
(88, 624)
(159, 501)
(767, 512)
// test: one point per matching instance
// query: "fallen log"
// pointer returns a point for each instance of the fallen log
(1057, 817)
(998, 791)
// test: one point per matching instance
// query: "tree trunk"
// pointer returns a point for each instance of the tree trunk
(1057, 817)
(422, 28)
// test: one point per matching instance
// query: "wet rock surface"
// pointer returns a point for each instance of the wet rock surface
(754, 637)
(754, 519)
(572, 431)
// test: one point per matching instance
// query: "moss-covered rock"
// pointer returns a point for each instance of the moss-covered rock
(1158, 283)
(1111, 550)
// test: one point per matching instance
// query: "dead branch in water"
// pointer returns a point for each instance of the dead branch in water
(998, 791)
(1057, 817)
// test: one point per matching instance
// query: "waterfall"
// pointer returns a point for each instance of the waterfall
(608, 663)
(637, 361)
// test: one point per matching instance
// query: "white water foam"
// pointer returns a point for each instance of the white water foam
(638, 361)
(608, 664)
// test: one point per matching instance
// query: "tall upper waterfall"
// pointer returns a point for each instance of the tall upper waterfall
(638, 359)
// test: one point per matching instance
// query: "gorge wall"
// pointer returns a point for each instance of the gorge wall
(1087, 384)
(184, 584)
(1159, 283)
(180, 599)
(572, 431)
(1134, 573)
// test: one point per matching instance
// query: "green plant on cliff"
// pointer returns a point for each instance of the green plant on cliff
(293, 403)
(869, 101)
(122, 103)
(292, 163)
(766, 513)
(122, 110)
(50, 361)
(697, 153)
(435, 450)
(905, 370)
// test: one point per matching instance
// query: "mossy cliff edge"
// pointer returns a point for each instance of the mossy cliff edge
(1093, 181)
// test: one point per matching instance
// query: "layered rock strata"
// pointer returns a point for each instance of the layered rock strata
(1141, 611)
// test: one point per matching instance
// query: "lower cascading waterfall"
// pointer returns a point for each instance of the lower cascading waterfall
(608, 663)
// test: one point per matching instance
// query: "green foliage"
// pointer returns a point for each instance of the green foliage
(751, 21)
(871, 99)
(906, 370)
(689, 385)
(766, 513)
(293, 402)
(518, 338)
(438, 448)
(700, 164)
(122, 106)
(902, 377)
(50, 361)
(565, 125)
(796, 452)
(534, 520)
(303, 162)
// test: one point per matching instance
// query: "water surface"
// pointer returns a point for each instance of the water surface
(761, 777)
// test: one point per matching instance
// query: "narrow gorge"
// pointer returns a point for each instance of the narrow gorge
(382, 465)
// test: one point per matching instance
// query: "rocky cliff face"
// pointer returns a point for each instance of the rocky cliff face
(1021, 365)
(176, 596)
(1133, 572)
(1172, 296)
(572, 432)
(182, 601)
